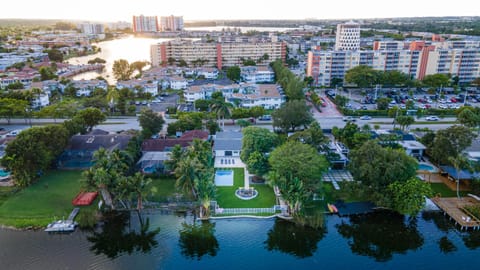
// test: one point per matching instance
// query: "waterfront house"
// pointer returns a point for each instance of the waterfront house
(79, 152)
(156, 151)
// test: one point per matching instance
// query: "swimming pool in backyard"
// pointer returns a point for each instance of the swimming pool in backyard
(427, 167)
(4, 173)
(224, 178)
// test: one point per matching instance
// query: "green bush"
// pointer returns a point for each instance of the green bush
(87, 218)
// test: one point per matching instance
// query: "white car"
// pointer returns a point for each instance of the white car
(365, 117)
(432, 118)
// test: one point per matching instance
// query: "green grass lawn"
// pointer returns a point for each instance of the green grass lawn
(165, 188)
(39, 204)
(445, 191)
(5, 193)
(226, 195)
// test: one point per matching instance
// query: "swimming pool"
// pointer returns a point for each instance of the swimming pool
(224, 178)
(426, 167)
(4, 173)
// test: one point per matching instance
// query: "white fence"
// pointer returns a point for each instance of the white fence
(235, 211)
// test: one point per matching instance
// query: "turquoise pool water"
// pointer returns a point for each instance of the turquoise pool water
(426, 167)
(4, 173)
(224, 173)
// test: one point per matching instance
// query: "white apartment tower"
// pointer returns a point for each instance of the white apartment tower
(348, 37)
(171, 23)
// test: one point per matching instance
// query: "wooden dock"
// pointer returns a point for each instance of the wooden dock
(455, 209)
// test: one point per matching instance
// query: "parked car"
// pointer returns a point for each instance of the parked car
(349, 119)
(432, 118)
(365, 117)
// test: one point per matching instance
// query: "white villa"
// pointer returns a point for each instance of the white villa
(148, 86)
(257, 74)
(85, 87)
(227, 144)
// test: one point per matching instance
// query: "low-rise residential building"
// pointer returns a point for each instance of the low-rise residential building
(227, 144)
(48, 86)
(257, 74)
(41, 100)
(86, 87)
(146, 86)
(80, 149)
(26, 77)
(205, 91)
(157, 151)
(177, 82)
(267, 96)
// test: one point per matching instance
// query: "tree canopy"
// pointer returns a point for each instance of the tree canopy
(292, 115)
(450, 142)
(233, 73)
(151, 122)
(256, 143)
(122, 70)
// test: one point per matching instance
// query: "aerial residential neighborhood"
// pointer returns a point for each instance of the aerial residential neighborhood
(169, 141)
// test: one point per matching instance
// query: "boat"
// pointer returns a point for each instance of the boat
(330, 208)
(334, 208)
(61, 226)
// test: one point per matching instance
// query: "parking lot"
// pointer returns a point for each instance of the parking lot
(418, 99)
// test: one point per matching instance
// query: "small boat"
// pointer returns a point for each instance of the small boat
(330, 208)
(334, 208)
(61, 226)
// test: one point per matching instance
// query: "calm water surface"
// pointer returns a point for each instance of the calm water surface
(375, 241)
(131, 49)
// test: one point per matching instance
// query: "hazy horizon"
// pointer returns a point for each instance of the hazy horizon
(122, 10)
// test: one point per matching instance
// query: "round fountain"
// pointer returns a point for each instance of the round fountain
(246, 193)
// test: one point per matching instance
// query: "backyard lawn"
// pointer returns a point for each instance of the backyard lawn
(165, 188)
(445, 191)
(39, 204)
(226, 195)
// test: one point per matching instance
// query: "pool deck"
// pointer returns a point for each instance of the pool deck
(455, 209)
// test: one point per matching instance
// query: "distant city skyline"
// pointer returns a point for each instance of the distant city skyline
(191, 10)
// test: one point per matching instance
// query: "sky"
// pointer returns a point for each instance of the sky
(191, 10)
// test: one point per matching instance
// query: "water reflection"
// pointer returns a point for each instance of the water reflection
(472, 239)
(117, 238)
(292, 239)
(442, 223)
(198, 239)
(381, 234)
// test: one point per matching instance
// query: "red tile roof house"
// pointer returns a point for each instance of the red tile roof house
(157, 151)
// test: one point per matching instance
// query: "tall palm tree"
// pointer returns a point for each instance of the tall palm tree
(175, 156)
(112, 96)
(206, 192)
(459, 162)
(186, 173)
(140, 187)
(221, 109)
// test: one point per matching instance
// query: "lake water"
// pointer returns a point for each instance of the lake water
(243, 29)
(131, 49)
(375, 241)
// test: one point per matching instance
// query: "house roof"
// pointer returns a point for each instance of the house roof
(228, 135)
(98, 132)
(463, 174)
(412, 145)
(95, 142)
(228, 140)
(160, 145)
(195, 134)
(233, 145)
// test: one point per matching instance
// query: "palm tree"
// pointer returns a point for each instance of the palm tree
(206, 192)
(175, 157)
(221, 108)
(112, 96)
(140, 187)
(459, 162)
(186, 173)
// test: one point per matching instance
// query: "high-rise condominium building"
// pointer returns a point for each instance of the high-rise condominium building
(171, 23)
(348, 37)
(417, 59)
(92, 28)
(145, 24)
(217, 54)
